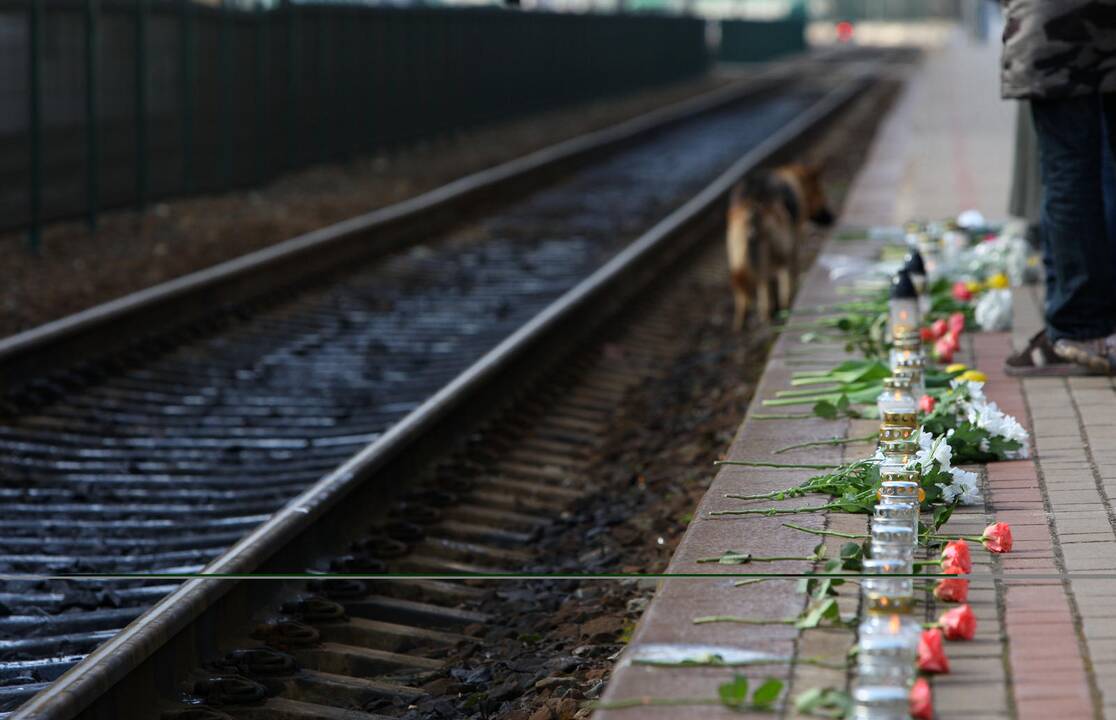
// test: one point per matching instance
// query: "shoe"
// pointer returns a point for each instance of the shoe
(1038, 359)
(1095, 354)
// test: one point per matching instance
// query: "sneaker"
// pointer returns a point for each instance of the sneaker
(1096, 354)
(1038, 359)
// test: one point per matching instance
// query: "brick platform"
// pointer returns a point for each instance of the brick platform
(1046, 640)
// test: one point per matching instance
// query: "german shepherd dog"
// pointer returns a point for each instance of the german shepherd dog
(767, 217)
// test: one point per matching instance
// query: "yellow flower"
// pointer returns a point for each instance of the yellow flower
(956, 368)
(974, 286)
(998, 281)
(974, 375)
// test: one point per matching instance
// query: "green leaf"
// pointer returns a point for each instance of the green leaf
(851, 551)
(824, 702)
(732, 557)
(825, 409)
(941, 515)
(819, 550)
(735, 693)
(825, 610)
(843, 403)
(767, 693)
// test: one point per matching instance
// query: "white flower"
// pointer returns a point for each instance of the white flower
(969, 490)
(963, 489)
(993, 310)
(999, 424)
(949, 492)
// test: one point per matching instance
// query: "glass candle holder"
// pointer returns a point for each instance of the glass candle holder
(954, 243)
(897, 455)
(889, 433)
(901, 488)
(896, 404)
(904, 514)
(893, 542)
(903, 305)
(881, 702)
(887, 649)
(907, 344)
(913, 367)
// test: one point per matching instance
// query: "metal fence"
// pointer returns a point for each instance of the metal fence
(856, 10)
(109, 103)
(759, 40)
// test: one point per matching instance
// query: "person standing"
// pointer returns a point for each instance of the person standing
(1061, 56)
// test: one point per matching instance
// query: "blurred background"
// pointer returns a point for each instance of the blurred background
(117, 103)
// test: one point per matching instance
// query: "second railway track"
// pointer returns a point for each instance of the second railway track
(162, 459)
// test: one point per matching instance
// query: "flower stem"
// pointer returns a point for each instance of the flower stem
(651, 701)
(782, 416)
(756, 559)
(776, 511)
(834, 441)
(704, 620)
(761, 463)
(836, 387)
(970, 538)
(808, 400)
(834, 533)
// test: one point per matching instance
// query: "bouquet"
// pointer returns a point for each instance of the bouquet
(976, 428)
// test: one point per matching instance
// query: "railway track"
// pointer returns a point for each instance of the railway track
(295, 428)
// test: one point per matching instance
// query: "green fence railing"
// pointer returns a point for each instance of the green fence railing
(117, 103)
(760, 40)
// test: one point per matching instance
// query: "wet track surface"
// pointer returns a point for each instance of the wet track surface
(163, 464)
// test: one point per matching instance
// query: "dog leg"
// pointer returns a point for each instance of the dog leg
(763, 297)
(741, 297)
(740, 308)
(786, 287)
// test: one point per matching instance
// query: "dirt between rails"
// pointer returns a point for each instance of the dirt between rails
(557, 649)
(133, 250)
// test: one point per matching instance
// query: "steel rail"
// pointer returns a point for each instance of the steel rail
(140, 664)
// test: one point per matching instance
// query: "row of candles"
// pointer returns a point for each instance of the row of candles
(889, 632)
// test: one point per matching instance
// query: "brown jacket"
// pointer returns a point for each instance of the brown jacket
(1059, 48)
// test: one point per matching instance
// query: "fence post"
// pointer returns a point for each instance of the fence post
(325, 111)
(225, 64)
(92, 151)
(261, 91)
(35, 45)
(141, 104)
(186, 75)
(292, 105)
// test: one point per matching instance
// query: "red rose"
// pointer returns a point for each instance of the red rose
(956, 559)
(925, 334)
(943, 350)
(997, 537)
(952, 590)
(926, 404)
(922, 708)
(958, 623)
(939, 328)
(956, 322)
(961, 291)
(931, 652)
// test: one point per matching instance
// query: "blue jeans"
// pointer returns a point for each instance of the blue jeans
(1081, 286)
